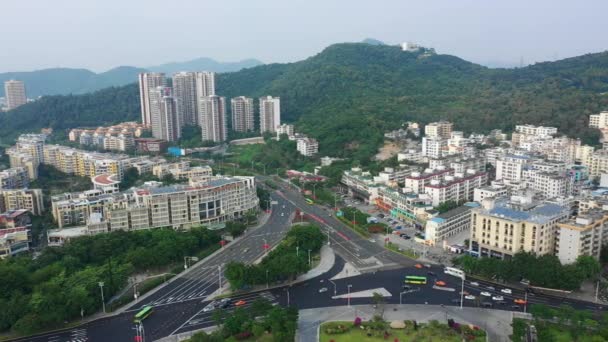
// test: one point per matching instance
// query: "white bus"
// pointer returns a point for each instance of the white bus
(454, 271)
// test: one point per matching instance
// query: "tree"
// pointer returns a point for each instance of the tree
(588, 266)
(235, 228)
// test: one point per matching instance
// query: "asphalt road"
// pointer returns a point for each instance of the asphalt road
(179, 305)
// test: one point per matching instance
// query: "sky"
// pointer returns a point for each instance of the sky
(102, 34)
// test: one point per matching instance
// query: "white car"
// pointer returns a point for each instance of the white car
(497, 298)
(372, 240)
(209, 307)
(506, 291)
(474, 283)
(469, 297)
(491, 288)
(486, 294)
(323, 289)
(282, 214)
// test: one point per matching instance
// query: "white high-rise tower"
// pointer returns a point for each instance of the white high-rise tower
(212, 112)
(14, 91)
(242, 114)
(148, 81)
(184, 91)
(270, 114)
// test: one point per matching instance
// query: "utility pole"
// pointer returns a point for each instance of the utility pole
(219, 274)
(349, 286)
(334, 284)
(462, 292)
(103, 301)
(309, 257)
(597, 290)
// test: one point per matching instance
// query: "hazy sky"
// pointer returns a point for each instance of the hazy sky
(101, 34)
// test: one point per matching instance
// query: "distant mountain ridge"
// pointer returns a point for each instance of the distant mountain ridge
(206, 64)
(64, 81)
(349, 94)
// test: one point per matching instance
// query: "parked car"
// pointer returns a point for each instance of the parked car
(240, 303)
(491, 288)
(209, 307)
(486, 294)
(520, 301)
(224, 303)
(323, 289)
(506, 291)
(469, 297)
(474, 283)
(498, 298)
(399, 227)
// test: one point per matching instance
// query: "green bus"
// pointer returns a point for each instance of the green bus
(415, 280)
(309, 201)
(143, 314)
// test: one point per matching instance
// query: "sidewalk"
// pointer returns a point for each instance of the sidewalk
(497, 323)
(328, 259)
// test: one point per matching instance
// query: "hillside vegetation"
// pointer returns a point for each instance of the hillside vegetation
(349, 94)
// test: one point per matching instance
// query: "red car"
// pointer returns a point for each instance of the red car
(418, 266)
(440, 283)
(240, 303)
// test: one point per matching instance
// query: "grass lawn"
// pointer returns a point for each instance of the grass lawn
(425, 332)
(407, 252)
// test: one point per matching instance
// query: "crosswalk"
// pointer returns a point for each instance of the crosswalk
(75, 335)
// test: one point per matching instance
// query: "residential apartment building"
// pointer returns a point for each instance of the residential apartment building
(495, 190)
(505, 226)
(22, 199)
(184, 91)
(510, 167)
(270, 114)
(164, 115)
(84, 163)
(150, 145)
(149, 81)
(597, 162)
(14, 92)
(453, 222)
(212, 111)
(14, 241)
(205, 85)
(582, 235)
(412, 156)
(242, 114)
(458, 187)
(536, 130)
(434, 147)
(417, 181)
(213, 201)
(459, 163)
(360, 183)
(599, 120)
(400, 204)
(287, 129)
(440, 129)
(14, 178)
(549, 184)
(308, 147)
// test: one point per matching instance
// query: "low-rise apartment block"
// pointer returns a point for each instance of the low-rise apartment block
(582, 235)
(448, 224)
(505, 226)
(14, 178)
(599, 120)
(308, 146)
(14, 241)
(458, 187)
(416, 181)
(22, 199)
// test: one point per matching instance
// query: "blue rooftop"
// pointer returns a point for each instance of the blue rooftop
(541, 213)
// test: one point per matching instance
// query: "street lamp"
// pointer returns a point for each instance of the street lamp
(349, 286)
(135, 291)
(314, 190)
(103, 302)
(309, 257)
(287, 289)
(334, 284)
(400, 297)
(265, 246)
(267, 279)
(462, 291)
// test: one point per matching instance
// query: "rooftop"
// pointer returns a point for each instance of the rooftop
(540, 213)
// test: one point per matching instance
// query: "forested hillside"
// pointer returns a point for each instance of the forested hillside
(349, 94)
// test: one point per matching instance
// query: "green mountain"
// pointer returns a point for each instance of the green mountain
(349, 94)
(207, 64)
(63, 81)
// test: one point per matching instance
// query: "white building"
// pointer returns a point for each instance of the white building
(285, 129)
(14, 91)
(212, 113)
(308, 146)
(440, 129)
(184, 91)
(270, 114)
(148, 81)
(548, 184)
(510, 167)
(494, 190)
(242, 114)
(417, 181)
(164, 115)
(433, 147)
(579, 236)
(458, 188)
(411, 155)
(536, 130)
(448, 224)
(599, 120)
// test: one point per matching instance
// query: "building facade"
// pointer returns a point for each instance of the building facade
(582, 235)
(212, 113)
(149, 81)
(184, 91)
(270, 114)
(308, 147)
(22, 199)
(14, 92)
(164, 115)
(242, 114)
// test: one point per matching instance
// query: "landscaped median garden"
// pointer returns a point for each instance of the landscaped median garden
(357, 220)
(378, 329)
